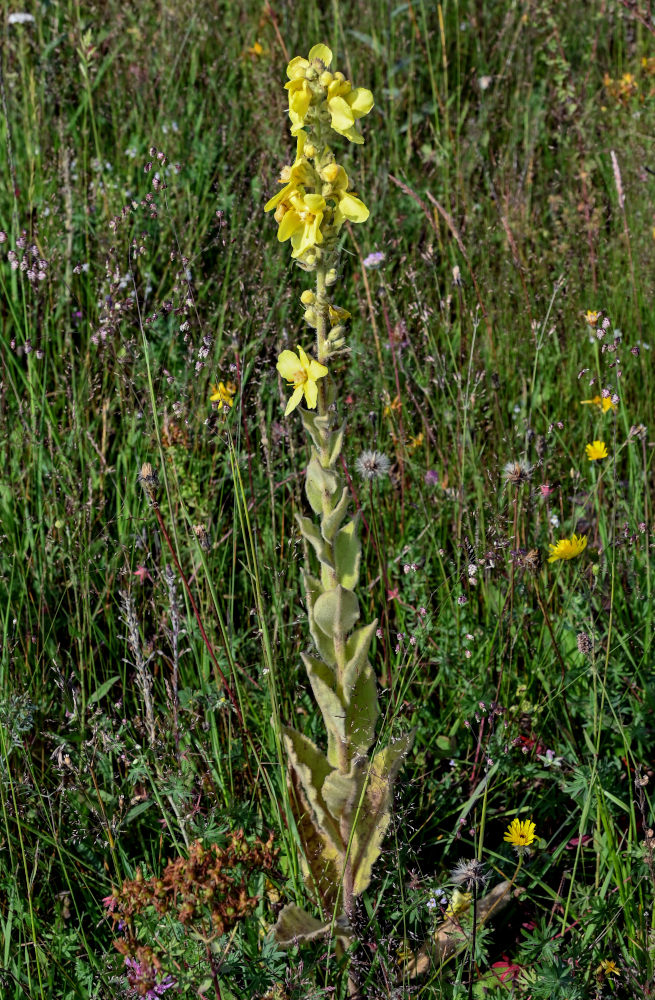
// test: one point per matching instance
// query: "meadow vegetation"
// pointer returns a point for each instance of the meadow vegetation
(499, 395)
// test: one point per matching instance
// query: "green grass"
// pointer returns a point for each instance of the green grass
(488, 150)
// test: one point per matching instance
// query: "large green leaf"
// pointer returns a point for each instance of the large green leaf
(347, 554)
(323, 682)
(362, 712)
(374, 811)
(336, 611)
(312, 768)
(323, 642)
(313, 535)
(331, 521)
(357, 649)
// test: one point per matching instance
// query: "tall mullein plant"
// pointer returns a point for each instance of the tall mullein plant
(341, 797)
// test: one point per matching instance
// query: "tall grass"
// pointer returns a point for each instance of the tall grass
(502, 218)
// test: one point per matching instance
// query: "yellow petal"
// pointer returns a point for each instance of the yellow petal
(316, 370)
(297, 67)
(304, 360)
(288, 365)
(352, 208)
(311, 394)
(277, 198)
(342, 116)
(321, 52)
(290, 224)
(296, 396)
(360, 101)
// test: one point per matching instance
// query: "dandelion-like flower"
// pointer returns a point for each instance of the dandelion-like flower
(373, 465)
(567, 548)
(302, 373)
(596, 450)
(520, 834)
(603, 403)
(608, 967)
(591, 317)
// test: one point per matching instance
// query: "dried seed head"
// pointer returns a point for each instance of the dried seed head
(149, 480)
(585, 645)
(373, 465)
(471, 874)
(202, 535)
(517, 473)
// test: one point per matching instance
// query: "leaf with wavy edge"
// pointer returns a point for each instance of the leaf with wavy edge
(312, 768)
(295, 925)
(374, 813)
(323, 682)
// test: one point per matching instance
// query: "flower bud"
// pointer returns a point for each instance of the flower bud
(325, 79)
(331, 277)
(335, 333)
(330, 172)
(310, 150)
(311, 74)
(310, 317)
(307, 298)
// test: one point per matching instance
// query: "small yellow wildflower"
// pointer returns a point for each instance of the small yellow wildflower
(592, 317)
(223, 393)
(459, 903)
(302, 373)
(255, 50)
(393, 407)
(346, 105)
(301, 220)
(608, 967)
(300, 94)
(596, 450)
(348, 206)
(520, 833)
(296, 177)
(415, 442)
(603, 403)
(568, 548)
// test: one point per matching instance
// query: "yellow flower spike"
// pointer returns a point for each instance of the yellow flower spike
(520, 833)
(567, 548)
(302, 373)
(603, 403)
(596, 450)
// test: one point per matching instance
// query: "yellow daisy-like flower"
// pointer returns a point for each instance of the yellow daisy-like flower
(567, 548)
(302, 373)
(603, 403)
(223, 393)
(591, 317)
(520, 833)
(596, 450)
(608, 968)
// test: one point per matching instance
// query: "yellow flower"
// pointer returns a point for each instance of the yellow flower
(300, 94)
(223, 393)
(300, 217)
(415, 442)
(592, 317)
(520, 833)
(568, 548)
(302, 373)
(299, 175)
(346, 105)
(608, 967)
(596, 450)
(458, 904)
(348, 206)
(603, 403)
